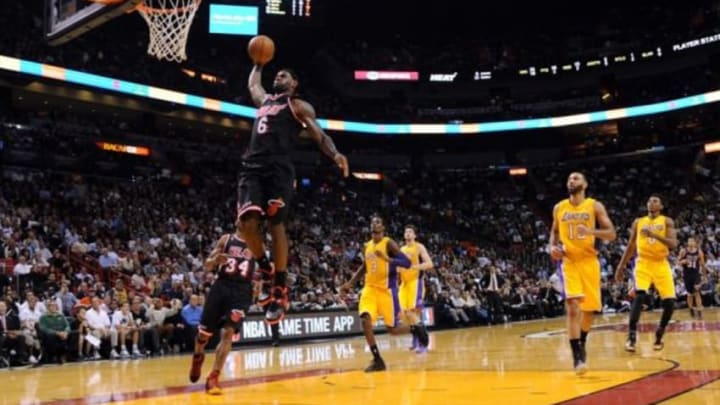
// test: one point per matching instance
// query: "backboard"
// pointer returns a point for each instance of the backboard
(66, 20)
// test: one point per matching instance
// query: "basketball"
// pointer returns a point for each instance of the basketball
(261, 49)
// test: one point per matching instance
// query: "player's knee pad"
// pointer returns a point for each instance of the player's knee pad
(640, 294)
(668, 304)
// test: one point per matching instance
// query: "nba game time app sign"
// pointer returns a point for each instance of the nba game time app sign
(233, 20)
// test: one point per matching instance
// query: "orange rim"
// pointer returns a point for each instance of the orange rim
(150, 10)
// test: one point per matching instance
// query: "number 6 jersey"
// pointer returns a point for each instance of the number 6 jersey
(275, 131)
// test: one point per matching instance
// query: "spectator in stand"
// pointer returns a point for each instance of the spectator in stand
(149, 337)
(119, 293)
(124, 323)
(492, 284)
(29, 318)
(11, 336)
(80, 331)
(158, 315)
(54, 331)
(108, 262)
(100, 326)
(68, 299)
(191, 315)
(22, 271)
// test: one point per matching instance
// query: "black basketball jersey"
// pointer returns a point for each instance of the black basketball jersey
(240, 266)
(276, 129)
(692, 261)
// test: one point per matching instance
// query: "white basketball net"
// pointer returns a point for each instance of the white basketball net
(169, 24)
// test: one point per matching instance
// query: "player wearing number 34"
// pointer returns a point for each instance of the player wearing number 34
(577, 223)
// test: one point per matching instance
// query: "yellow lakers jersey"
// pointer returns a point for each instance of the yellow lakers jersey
(651, 248)
(568, 217)
(377, 270)
(413, 253)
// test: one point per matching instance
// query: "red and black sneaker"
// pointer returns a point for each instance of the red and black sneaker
(196, 368)
(212, 384)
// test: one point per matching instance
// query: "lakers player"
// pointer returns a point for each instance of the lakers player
(692, 260)
(379, 296)
(412, 288)
(577, 223)
(652, 237)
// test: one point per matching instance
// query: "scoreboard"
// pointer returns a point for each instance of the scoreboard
(290, 8)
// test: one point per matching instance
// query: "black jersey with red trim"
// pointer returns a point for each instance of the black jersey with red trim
(275, 130)
(692, 261)
(240, 266)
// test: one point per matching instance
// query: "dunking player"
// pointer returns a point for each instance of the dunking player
(412, 288)
(572, 240)
(652, 237)
(227, 302)
(267, 175)
(379, 295)
(692, 259)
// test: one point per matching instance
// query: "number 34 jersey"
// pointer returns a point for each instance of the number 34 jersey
(577, 245)
(240, 266)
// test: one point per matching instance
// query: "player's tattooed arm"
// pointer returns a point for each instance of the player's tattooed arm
(306, 114)
(257, 92)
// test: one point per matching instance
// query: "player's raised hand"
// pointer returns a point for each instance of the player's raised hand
(342, 163)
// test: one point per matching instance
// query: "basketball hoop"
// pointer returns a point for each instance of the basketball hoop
(169, 24)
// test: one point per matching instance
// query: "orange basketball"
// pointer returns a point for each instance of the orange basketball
(261, 49)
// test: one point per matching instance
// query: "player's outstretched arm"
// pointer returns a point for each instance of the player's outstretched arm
(257, 92)
(217, 257)
(629, 252)
(306, 114)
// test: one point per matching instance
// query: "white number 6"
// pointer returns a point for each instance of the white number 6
(262, 125)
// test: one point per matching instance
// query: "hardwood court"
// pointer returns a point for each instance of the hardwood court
(526, 363)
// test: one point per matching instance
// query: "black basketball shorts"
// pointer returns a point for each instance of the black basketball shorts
(266, 188)
(226, 303)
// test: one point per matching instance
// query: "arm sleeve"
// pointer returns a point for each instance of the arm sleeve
(400, 261)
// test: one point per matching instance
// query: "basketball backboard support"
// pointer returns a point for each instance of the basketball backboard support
(66, 20)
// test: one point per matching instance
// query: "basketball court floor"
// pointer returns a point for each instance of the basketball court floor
(521, 363)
